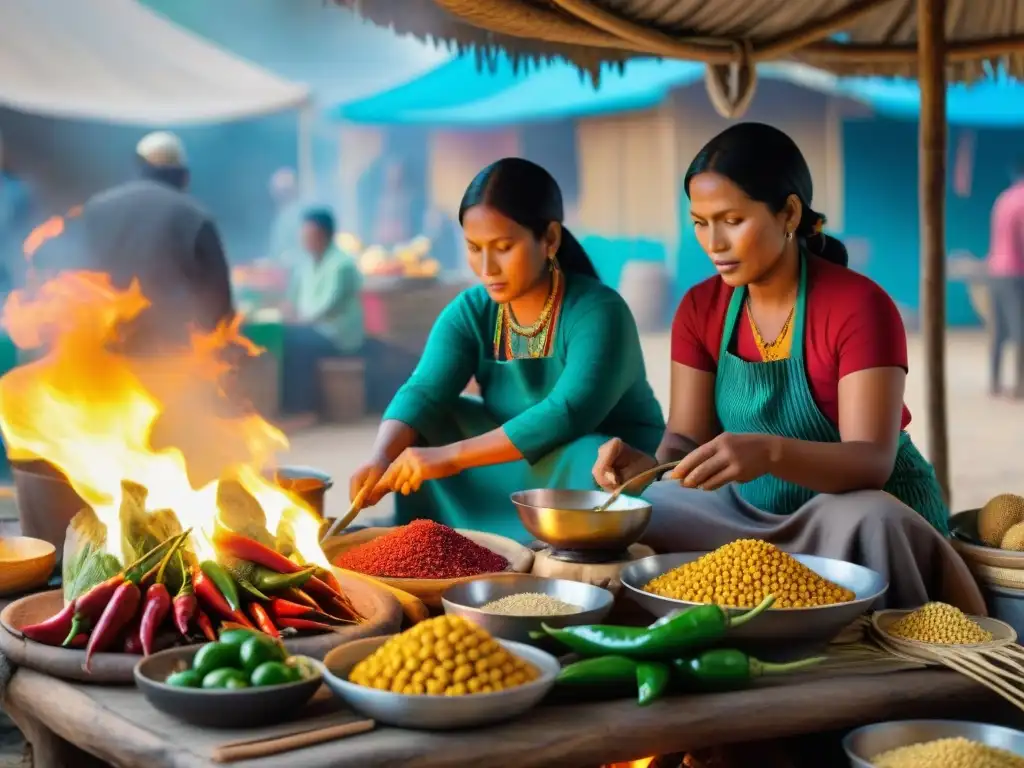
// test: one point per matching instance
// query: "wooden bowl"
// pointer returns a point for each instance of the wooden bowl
(25, 563)
(520, 560)
(383, 616)
(1002, 635)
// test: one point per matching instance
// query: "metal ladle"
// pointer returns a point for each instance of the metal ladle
(652, 472)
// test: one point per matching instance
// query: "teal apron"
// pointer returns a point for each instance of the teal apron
(775, 398)
(479, 498)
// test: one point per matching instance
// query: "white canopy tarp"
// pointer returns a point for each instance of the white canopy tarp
(117, 61)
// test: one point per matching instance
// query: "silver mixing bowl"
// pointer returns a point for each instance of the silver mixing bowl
(872, 740)
(466, 599)
(567, 520)
(792, 626)
(429, 712)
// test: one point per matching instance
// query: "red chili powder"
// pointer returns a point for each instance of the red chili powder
(422, 549)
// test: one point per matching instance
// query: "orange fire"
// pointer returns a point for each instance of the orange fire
(102, 418)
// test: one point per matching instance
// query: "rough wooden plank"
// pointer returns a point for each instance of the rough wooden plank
(118, 726)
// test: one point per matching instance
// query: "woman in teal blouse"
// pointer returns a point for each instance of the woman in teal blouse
(556, 355)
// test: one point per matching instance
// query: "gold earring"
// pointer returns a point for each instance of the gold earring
(789, 235)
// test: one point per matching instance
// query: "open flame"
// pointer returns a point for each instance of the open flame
(101, 417)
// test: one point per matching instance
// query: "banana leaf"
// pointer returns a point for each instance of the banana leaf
(86, 561)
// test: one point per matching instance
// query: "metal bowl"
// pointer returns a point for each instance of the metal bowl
(216, 708)
(785, 626)
(870, 741)
(964, 529)
(568, 520)
(467, 598)
(438, 713)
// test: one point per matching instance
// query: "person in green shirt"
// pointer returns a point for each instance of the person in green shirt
(556, 355)
(325, 312)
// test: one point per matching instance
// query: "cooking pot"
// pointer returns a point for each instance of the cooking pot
(47, 502)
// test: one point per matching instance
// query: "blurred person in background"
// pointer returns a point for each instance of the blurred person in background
(1006, 281)
(149, 228)
(394, 216)
(287, 223)
(325, 312)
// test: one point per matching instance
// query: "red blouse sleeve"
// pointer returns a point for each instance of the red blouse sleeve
(869, 331)
(689, 331)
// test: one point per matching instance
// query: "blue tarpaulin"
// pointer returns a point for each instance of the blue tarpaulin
(458, 93)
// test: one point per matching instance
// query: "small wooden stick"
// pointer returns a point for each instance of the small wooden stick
(341, 523)
(642, 476)
(245, 750)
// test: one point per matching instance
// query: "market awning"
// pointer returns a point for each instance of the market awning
(116, 61)
(459, 94)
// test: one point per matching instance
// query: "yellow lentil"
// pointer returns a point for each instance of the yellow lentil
(947, 753)
(743, 573)
(939, 624)
(443, 656)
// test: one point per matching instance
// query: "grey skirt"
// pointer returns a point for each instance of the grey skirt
(870, 528)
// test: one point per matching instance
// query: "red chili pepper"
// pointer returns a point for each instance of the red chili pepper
(208, 593)
(184, 605)
(79, 641)
(306, 624)
(53, 631)
(203, 621)
(158, 605)
(90, 605)
(132, 638)
(244, 548)
(298, 596)
(328, 578)
(119, 611)
(285, 608)
(263, 620)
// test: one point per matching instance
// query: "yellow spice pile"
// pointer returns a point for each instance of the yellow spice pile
(947, 753)
(446, 655)
(742, 574)
(939, 624)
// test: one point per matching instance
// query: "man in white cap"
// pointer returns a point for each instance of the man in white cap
(150, 229)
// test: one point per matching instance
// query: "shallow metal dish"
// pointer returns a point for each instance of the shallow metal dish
(568, 520)
(439, 713)
(783, 625)
(872, 740)
(964, 529)
(221, 708)
(466, 599)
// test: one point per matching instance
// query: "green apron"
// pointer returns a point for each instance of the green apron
(775, 398)
(479, 498)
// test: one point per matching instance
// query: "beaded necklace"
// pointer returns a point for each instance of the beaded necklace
(536, 339)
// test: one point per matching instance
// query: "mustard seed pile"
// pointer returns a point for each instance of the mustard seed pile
(742, 574)
(947, 753)
(939, 624)
(530, 604)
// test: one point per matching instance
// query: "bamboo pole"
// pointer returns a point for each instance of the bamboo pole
(931, 76)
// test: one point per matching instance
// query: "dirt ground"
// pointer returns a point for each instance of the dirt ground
(986, 435)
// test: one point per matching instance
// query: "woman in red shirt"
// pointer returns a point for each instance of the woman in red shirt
(788, 376)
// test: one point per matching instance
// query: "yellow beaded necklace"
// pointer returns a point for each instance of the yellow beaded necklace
(780, 347)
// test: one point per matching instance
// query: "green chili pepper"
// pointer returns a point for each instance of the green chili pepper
(601, 670)
(725, 668)
(652, 678)
(250, 589)
(224, 581)
(696, 627)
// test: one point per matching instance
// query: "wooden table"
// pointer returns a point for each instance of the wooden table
(67, 722)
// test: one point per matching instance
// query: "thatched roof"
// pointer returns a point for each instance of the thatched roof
(878, 36)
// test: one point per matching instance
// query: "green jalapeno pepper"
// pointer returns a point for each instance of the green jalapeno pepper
(224, 581)
(727, 668)
(696, 627)
(600, 670)
(652, 678)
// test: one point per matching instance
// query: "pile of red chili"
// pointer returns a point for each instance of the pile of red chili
(422, 549)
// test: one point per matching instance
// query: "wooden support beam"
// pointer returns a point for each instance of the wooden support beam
(931, 36)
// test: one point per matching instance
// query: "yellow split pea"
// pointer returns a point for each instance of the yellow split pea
(443, 656)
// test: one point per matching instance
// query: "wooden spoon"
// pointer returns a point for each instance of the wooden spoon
(341, 523)
(653, 471)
